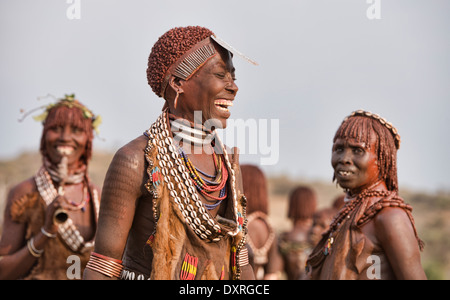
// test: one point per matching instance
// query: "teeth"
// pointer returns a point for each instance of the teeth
(64, 150)
(344, 173)
(221, 103)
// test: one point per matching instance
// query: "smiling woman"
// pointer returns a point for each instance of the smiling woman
(173, 205)
(61, 187)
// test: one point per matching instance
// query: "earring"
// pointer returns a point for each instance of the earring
(176, 100)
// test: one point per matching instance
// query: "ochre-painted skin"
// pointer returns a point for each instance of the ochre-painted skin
(126, 204)
(355, 166)
(17, 261)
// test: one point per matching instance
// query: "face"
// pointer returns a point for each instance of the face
(67, 140)
(211, 90)
(355, 165)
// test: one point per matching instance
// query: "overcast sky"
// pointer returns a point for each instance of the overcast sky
(318, 61)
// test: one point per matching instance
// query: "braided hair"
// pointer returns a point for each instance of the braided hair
(365, 126)
(168, 49)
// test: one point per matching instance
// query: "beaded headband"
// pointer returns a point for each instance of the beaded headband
(195, 58)
(383, 122)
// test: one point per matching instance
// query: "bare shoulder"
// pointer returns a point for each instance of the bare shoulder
(21, 189)
(392, 217)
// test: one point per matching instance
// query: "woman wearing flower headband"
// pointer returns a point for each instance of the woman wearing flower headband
(373, 236)
(172, 203)
(53, 215)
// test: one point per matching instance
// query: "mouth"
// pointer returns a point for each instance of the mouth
(344, 173)
(65, 150)
(223, 105)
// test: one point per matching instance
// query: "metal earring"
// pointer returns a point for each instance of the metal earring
(176, 100)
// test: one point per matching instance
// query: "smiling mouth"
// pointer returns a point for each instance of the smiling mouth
(343, 173)
(65, 150)
(223, 105)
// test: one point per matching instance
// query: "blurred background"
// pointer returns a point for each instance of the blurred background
(318, 62)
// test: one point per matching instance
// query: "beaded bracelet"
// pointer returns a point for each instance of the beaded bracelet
(32, 249)
(105, 265)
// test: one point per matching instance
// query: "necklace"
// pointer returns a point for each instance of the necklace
(190, 133)
(161, 152)
(345, 212)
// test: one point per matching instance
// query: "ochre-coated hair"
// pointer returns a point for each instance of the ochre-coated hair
(168, 49)
(302, 203)
(255, 189)
(61, 115)
(364, 129)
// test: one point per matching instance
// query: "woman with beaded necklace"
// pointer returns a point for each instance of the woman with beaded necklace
(173, 206)
(53, 215)
(373, 236)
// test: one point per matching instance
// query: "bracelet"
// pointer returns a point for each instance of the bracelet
(32, 249)
(105, 265)
(48, 234)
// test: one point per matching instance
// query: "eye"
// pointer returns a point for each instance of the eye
(358, 151)
(77, 130)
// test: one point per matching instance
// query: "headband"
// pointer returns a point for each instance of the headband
(383, 122)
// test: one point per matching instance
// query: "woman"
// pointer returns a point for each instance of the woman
(262, 239)
(373, 236)
(52, 215)
(173, 206)
(295, 244)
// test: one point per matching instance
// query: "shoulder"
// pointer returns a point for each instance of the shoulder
(20, 198)
(393, 221)
(131, 154)
(21, 189)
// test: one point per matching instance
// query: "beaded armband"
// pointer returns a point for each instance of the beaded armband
(105, 265)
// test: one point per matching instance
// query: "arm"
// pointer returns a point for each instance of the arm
(16, 259)
(121, 190)
(396, 236)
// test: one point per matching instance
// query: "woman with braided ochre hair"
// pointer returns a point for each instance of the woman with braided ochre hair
(53, 214)
(262, 239)
(173, 205)
(294, 244)
(373, 236)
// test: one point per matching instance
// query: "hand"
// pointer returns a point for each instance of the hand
(58, 203)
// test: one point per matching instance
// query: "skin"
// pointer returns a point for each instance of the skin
(17, 260)
(391, 228)
(124, 189)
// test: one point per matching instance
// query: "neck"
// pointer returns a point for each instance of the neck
(379, 185)
(193, 136)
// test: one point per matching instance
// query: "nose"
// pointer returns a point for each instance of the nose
(65, 133)
(345, 157)
(232, 87)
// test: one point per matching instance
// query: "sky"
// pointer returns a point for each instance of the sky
(319, 60)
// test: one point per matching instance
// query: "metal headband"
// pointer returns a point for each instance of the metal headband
(195, 58)
(383, 121)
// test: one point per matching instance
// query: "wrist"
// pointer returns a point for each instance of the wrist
(47, 233)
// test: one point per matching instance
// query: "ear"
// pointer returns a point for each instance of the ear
(176, 84)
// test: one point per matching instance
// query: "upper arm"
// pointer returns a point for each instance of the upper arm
(13, 233)
(121, 189)
(397, 238)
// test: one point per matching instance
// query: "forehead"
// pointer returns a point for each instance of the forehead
(356, 142)
(223, 59)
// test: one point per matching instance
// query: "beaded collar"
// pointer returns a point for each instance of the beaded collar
(169, 169)
(68, 231)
